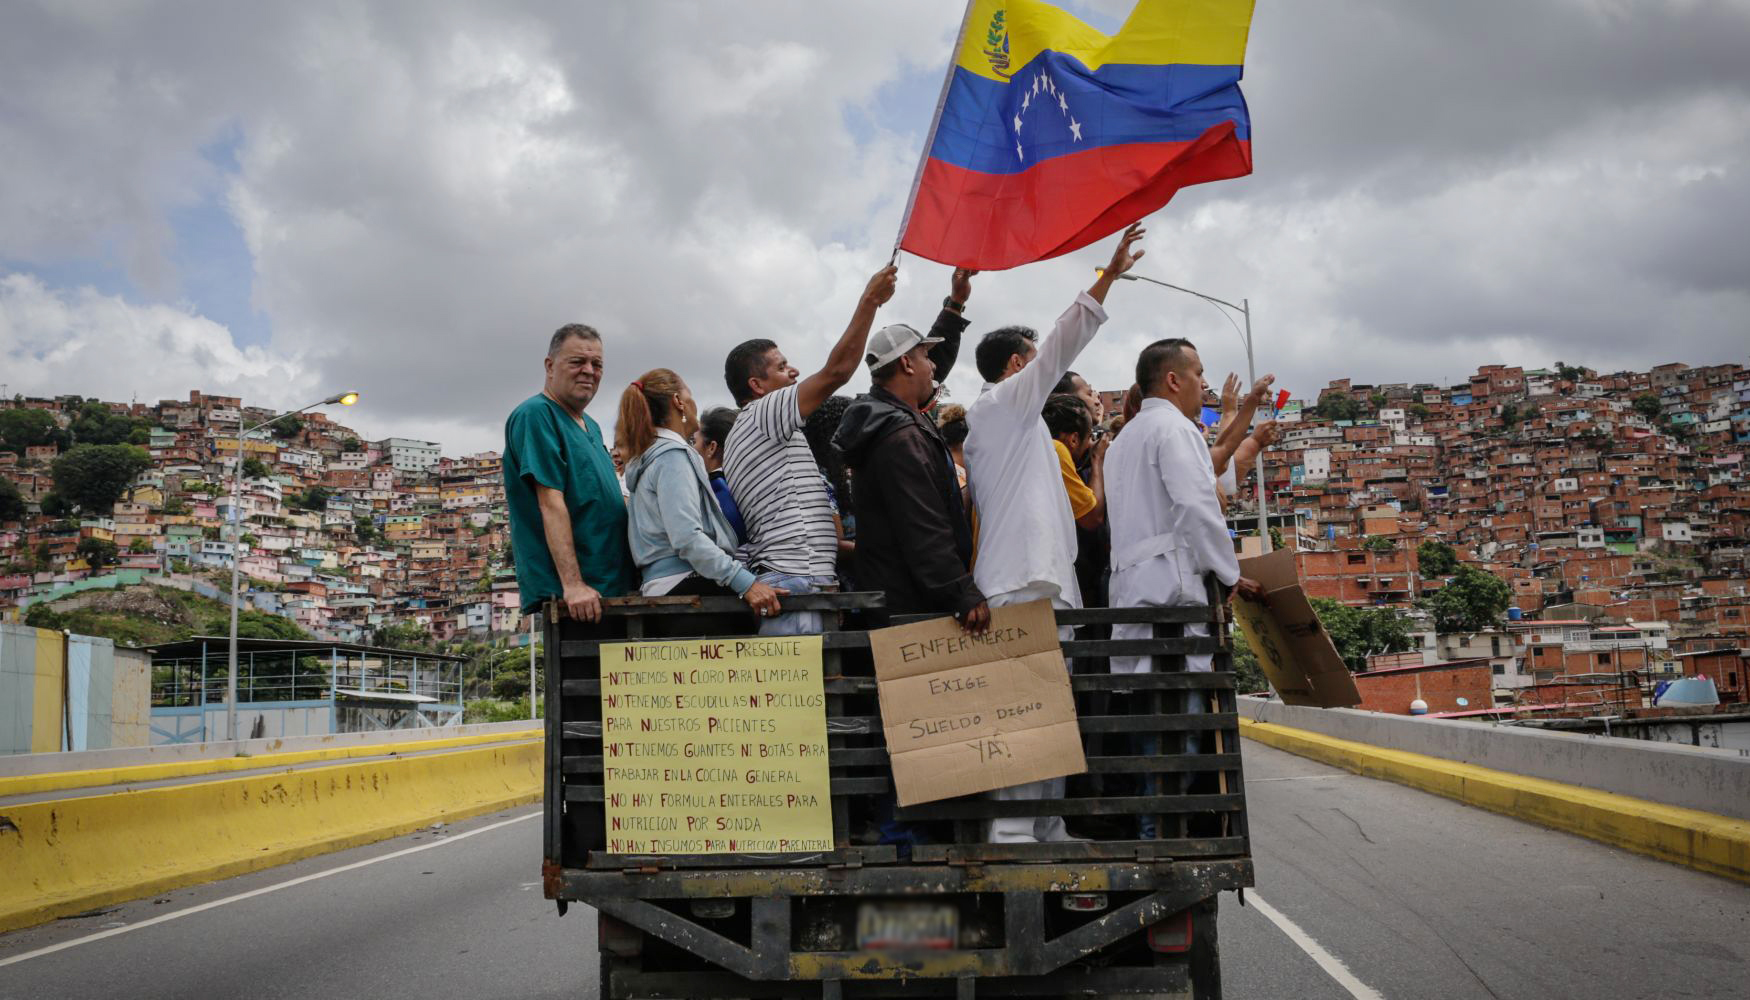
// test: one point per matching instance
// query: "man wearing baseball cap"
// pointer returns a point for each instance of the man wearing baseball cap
(913, 539)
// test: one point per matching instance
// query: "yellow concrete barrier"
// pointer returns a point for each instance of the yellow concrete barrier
(63, 781)
(1704, 841)
(70, 855)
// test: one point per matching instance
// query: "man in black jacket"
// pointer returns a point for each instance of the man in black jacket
(913, 539)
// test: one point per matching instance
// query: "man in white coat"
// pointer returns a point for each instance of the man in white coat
(1026, 546)
(1168, 529)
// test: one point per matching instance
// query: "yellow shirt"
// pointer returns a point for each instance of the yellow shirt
(1081, 499)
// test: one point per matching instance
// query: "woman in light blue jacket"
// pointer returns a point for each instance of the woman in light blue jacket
(680, 539)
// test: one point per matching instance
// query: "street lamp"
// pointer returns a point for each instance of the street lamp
(1245, 310)
(343, 399)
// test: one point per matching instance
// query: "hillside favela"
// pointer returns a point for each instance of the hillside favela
(1534, 544)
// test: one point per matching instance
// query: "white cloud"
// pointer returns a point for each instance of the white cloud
(427, 190)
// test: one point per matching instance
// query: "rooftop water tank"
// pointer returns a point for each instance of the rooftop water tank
(1418, 707)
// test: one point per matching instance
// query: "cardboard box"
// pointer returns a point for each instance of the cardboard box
(1293, 648)
(966, 713)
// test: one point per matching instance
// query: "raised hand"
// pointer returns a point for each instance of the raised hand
(960, 286)
(1125, 256)
(880, 287)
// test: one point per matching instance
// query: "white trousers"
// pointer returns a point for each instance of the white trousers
(1030, 829)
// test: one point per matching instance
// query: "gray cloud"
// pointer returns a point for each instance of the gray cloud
(427, 189)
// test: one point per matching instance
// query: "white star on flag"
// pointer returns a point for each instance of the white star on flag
(1017, 124)
(1019, 155)
(1026, 99)
(1063, 104)
(1075, 130)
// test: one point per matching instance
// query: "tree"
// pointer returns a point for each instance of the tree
(11, 501)
(1419, 411)
(139, 546)
(99, 552)
(1248, 676)
(1471, 601)
(1569, 372)
(350, 444)
(404, 635)
(314, 498)
(287, 427)
(1510, 414)
(252, 624)
(1648, 405)
(1336, 406)
(1379, 543)
(255, 468)
(1436, 558)
(1378, 399)
(21, 429)
(96, 423)
(1362, 632)
(53, 506)
(93, 476)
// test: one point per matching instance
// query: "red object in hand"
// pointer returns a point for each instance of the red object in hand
(1281, 399)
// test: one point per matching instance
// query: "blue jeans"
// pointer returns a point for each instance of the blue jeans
(794, 622)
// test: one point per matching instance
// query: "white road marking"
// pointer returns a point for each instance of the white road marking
(251, 894)
(1332, 965)
(1300, 777)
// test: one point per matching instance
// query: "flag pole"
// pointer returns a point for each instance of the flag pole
(917, 179)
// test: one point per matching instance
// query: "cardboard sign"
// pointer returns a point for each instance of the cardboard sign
(1293, 648)
(715, 746)
(966, 713)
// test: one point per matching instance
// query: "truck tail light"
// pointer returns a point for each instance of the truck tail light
(1084, 902)
(1173, 934)
(713, 909)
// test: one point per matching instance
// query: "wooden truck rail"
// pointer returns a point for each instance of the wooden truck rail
(777, 924)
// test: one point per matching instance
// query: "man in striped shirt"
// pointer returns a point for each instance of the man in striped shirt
(791, 540)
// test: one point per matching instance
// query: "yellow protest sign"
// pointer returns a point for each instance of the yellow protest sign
(715, 746)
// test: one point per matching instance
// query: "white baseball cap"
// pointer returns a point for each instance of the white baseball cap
(888, 343)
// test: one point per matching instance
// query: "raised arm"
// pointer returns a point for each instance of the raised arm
(847, 354)
(951, 323)
(1026, 390)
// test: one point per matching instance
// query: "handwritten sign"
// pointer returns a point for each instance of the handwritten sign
(715, 746)
(1293, 648)
(966, 713)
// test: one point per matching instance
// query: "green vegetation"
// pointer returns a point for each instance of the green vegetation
(1471, 601)
(255, 468)
(1248, 676)
(94, 476)
(498, 709)
(314, 498)
(1380, 543)
(1335, 406)
(97, 552)
(405, 635)
(21, 429)
(143, 616)
(96, 423)
(288, 427)
(1437, 558)
(1647, 405)
(1361, 632)
(1569, 372)
(11, 502)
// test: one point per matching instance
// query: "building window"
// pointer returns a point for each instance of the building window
(1604, 659)
(1356, 558)
(1498, 669)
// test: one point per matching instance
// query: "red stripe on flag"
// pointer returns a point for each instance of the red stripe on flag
(997, 221)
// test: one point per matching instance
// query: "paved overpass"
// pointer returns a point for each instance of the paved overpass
(1365, 888)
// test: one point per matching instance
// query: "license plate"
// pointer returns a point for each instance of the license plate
(907, 925)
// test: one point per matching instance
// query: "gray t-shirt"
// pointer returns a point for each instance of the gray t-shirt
(779, 488)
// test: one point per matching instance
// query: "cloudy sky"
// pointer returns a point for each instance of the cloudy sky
(285, 200)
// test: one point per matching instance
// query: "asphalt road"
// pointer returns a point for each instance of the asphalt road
(1398, 893)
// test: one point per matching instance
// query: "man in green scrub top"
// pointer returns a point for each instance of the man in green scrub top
(567, 516)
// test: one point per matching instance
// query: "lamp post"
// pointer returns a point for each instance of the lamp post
(1245, 310)
(344, 399)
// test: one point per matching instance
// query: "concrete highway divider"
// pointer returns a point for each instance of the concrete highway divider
(1705, 841)
(68, 855)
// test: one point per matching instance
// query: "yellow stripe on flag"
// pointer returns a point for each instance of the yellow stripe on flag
(1157, 33)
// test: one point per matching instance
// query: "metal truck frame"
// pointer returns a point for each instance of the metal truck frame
(1130, 917)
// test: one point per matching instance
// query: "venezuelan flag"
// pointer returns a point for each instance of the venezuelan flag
(1051, 135)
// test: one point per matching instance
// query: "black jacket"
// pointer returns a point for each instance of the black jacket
(913, 539)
